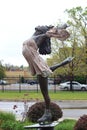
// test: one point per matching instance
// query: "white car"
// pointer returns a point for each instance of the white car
(75, 86)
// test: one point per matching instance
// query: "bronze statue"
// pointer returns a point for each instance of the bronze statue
(40, 43)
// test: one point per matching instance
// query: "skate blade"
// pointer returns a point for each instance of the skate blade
(45, 122)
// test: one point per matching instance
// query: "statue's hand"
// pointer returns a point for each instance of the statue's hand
(48, 34)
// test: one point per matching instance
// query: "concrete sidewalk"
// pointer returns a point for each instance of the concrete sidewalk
(72, 109)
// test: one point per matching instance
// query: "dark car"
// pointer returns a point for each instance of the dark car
(32, 82)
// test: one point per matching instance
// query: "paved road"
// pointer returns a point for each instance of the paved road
(71, 109)
(26, 87)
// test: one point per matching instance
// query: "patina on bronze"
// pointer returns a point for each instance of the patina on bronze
(40, 43)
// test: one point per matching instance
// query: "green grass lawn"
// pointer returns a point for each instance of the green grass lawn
(9, 122)
(33, 95)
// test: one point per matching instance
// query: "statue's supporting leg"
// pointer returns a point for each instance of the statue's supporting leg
(43, 82)
(46, 118)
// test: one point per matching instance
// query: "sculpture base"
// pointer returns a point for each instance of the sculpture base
(42, 127)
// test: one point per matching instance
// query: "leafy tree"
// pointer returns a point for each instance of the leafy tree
(75, 46)
(78, 20)
(2, 71)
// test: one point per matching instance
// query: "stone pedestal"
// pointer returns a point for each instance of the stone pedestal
(42, 127)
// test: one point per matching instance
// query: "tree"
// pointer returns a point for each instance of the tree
(78, 19)
(75, 46)
(2, 71)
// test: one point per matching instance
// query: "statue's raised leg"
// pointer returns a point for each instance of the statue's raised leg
(46, 118)
(66, 61)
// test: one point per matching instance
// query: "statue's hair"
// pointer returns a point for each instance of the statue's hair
(45, 47)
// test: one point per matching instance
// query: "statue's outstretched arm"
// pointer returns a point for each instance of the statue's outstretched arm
(61, 34)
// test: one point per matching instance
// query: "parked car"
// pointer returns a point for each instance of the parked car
(50, 81)
(32, 82)
(75, 86)
(3, 82)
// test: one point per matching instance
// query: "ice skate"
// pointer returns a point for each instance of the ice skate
(46, 118)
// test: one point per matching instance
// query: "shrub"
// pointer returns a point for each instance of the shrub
(81, 124)
(80, 79)
(37, 110)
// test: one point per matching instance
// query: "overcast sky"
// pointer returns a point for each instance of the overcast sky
(18, 18)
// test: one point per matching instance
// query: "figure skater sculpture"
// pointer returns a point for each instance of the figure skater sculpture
(40, 43)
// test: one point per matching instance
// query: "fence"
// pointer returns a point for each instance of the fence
(25, 84)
